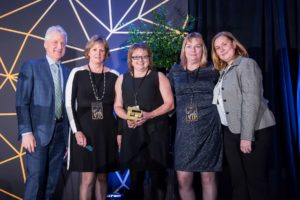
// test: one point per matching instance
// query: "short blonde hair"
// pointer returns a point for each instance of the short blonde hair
(135, 46)
(94, 39)
(239, 51)
(188, 38)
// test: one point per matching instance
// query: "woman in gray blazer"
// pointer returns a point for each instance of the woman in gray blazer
(245, 117)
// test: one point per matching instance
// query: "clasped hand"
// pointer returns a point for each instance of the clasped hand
(140, 121)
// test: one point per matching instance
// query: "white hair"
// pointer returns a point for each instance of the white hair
(58, 29)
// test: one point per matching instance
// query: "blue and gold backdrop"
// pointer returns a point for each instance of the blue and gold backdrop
(22, 28)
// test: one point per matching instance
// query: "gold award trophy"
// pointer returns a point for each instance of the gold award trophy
(134, 113)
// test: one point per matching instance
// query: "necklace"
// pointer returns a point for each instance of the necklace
(191, 113)
(95, 89)
(96, 106)
(136, 90)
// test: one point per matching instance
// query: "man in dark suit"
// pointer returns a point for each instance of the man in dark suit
(42, 120)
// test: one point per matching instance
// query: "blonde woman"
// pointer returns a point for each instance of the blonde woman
(198, 140)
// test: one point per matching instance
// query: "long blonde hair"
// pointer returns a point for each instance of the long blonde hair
(240, 50)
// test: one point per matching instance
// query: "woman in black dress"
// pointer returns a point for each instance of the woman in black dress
(143, 100)
(89, 101)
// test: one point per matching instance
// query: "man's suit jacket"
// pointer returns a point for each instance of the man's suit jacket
(35, 103)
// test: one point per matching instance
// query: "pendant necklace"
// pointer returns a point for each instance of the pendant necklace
(97, 106)
(134, 112)
(191, 113)
(136, 91)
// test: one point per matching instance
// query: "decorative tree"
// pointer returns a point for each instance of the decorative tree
(164, 40)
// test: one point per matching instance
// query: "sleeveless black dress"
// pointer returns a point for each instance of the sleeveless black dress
(145, 147)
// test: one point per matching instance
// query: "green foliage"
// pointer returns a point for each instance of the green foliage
(164, 40)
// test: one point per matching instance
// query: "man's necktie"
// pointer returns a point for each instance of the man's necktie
(58, 91)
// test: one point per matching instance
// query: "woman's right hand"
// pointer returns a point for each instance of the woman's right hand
(80, 138)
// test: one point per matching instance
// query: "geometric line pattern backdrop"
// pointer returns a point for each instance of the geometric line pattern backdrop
(22, 28)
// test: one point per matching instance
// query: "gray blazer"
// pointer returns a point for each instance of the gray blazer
(242, 91)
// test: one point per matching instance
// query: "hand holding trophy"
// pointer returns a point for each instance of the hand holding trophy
(134, 113)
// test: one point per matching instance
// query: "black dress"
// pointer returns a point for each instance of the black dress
(145, 147)
(198, 144)
(101, 134)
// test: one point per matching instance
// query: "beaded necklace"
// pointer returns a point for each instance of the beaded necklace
(95, 89)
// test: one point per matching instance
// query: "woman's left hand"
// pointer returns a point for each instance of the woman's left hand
(145, 116)
(245, 146)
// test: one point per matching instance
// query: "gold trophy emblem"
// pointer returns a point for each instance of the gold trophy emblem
(191, 114)
(134, 113)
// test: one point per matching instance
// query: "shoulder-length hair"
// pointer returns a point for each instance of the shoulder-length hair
(94, 39)
(135, 46)
(188, 38)
(240, 50)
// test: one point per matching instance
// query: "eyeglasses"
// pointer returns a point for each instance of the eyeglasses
(140, 57)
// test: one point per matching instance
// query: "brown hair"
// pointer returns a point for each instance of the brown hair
(188, 38)
(135, 46)
(239, 51)
(94, 39)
